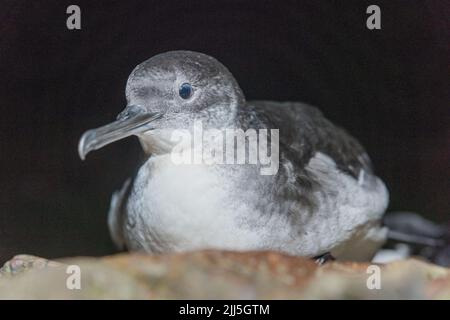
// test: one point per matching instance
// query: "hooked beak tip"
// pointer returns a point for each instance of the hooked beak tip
(82, 156)
(83, 148)
(131, 122)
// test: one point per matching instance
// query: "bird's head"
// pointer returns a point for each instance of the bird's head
(170, 91)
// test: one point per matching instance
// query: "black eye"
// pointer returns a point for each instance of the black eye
(185, 91)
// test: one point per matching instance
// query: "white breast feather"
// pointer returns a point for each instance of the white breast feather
(191, 207)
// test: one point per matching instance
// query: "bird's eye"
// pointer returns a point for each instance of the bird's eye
(185, 91)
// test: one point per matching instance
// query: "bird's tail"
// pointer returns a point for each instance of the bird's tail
(411, 234)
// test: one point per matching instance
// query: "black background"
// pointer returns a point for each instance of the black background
(389, 88)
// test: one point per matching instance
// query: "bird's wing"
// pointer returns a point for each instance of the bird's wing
(304, 131)
(310, 147)
(325, 181)
(117, 212)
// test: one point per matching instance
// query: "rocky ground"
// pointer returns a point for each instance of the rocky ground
(218, 275)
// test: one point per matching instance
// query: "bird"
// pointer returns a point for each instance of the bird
(323, 199)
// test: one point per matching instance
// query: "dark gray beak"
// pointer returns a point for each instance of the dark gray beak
(133, 120)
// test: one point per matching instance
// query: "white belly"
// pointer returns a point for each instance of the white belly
(190, 207)
(187, 207)
(347, 222)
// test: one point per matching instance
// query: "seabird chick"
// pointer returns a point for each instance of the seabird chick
(321, 198)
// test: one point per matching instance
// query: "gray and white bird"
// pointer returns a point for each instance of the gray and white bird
(324, 199)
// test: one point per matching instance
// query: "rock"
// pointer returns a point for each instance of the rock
(23, 262)
(219, 275)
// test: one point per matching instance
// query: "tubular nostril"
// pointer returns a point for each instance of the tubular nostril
(130, 111)
(123, 115)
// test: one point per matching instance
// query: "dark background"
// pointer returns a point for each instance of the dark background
(389, 88)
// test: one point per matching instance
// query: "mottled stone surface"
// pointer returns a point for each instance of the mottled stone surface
(218, 275)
